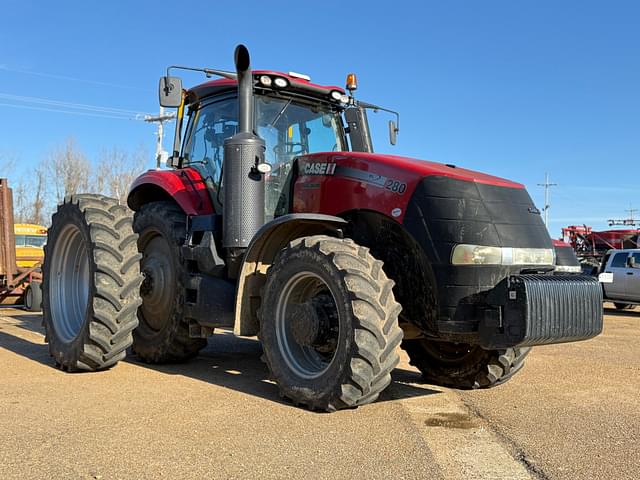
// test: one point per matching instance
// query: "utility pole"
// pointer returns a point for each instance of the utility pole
(159, 119)
(546, 186)
(631, 221)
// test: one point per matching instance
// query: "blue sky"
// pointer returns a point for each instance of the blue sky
(511, 88)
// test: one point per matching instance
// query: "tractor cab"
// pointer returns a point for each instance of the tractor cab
(291, 121)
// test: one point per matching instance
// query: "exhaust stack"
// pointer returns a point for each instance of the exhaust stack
(243, 195)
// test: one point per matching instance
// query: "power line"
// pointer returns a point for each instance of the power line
(546, 186)
(70, 112)
(71, 79)
(78, 106)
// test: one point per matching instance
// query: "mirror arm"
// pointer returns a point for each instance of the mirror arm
(373, 107)
(207, 71)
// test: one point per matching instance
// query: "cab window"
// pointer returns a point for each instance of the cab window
(619, 260)
(636, 256)
(209, 126)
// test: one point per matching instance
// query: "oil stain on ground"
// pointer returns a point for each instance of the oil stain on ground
(452, 420)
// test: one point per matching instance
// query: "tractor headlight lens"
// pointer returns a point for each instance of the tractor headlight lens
(533, 256)
(280, 82)
(476, 255)
(485, 255)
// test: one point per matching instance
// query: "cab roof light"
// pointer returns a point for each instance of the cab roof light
(300, 75)
(280, 82)
(336, 95)
(265, 80)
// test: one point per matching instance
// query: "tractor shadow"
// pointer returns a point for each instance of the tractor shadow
(235, 363)
(227, 361)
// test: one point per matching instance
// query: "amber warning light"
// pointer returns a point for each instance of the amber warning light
(352, 82)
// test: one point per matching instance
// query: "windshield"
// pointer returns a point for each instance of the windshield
(30, 241)
(290, 129)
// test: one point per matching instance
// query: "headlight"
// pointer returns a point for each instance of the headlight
(485, 255)
(476, 255)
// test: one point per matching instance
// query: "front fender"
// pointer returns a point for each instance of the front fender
(262, 250)
(184, 186)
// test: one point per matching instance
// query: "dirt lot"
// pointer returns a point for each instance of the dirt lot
(574, 412)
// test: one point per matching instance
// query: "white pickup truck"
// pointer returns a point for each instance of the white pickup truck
(620, 277)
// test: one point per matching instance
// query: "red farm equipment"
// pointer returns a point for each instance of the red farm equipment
(590, 246)
(17, 284)
(277, 219)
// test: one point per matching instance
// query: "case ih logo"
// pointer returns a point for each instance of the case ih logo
(319, 168)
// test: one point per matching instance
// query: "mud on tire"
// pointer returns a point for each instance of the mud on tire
(163, 333)
(91, 283)
(463, 366)
(346, 285)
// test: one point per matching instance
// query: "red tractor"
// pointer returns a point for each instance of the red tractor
(278, 220)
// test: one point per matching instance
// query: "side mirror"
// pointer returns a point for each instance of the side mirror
(631, 262)
(170, 92)
(393, 132)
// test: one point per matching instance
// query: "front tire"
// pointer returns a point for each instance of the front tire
(329, 323)
(163, 333)
(91, 281)
(464, 366)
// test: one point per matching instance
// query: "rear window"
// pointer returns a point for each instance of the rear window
(619, 260)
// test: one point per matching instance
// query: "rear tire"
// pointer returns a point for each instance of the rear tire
(329, 323)
(163, 334)
(91, 283)
(464, 366)
(33, 297)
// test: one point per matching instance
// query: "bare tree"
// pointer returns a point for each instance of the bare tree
(116, 170)
(8, 161)
(40, 196)
(30, 198)
(68, 169)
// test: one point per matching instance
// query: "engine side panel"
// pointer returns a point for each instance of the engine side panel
(186, 186)
(335, 183)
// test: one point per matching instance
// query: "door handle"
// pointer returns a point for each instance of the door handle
(629, 273)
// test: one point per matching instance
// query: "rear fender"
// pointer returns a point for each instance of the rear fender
(184, 186)
(262, 250)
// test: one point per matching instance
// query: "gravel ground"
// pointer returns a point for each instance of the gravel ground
(572, 413)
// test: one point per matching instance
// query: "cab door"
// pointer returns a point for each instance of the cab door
(633, 278)
(617, 266)
(209, 125)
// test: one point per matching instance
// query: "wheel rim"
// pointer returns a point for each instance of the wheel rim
(158, 286)
(69, 287)
(307, 325)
